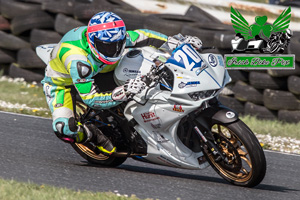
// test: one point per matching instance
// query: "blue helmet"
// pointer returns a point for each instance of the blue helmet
(106, 36)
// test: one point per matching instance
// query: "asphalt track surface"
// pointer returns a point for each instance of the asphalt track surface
(31, 152)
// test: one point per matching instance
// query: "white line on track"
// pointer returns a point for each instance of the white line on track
(18, 114)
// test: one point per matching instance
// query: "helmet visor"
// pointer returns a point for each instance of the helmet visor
(110, 49)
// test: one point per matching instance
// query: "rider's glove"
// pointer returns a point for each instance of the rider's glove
(194, 41)
(132, 86)
(176, 40)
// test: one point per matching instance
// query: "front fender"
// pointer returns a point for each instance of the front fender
(216, 114)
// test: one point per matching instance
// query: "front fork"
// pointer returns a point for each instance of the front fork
(205, 119)
(211, 145)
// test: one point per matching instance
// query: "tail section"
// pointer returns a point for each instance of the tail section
(43, 51)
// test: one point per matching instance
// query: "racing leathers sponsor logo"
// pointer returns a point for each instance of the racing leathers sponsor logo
(149, 116)
(47, 91)
(103, 102)
(58, 105)
(81, 80)
(178, 108)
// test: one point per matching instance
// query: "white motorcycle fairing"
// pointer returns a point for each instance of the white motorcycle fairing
(44, 51)
(158, 120)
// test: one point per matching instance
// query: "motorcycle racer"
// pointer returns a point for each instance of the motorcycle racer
(79, 56)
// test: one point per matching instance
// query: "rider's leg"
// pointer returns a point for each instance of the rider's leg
(64, 125)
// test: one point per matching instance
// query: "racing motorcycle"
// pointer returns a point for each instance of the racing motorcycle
(277, 42)
(176, 120)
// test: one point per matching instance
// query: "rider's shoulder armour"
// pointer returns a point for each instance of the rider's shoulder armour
(84, 70)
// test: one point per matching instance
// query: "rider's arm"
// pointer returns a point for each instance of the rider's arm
(145, 37)
(82, 72)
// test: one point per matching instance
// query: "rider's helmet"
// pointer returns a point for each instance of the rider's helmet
(106, 36)
(288, 33)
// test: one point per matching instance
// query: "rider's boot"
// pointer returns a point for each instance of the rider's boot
(94, 135)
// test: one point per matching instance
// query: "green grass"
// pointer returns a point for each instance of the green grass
(273, 128)
(12, 190)
(21, 94)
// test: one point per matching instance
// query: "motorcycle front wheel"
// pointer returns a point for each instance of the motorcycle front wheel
(246, 165)
(86, 152)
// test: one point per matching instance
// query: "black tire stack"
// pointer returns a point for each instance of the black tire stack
(25, 24)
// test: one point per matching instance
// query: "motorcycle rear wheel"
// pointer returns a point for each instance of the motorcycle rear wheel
(87, 153)
(247, 163)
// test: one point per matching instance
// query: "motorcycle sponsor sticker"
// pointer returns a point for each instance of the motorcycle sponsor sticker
(149, 116)
(156, 126)
(230, 115)
(212, 60)
(220, 59)
(200, 69)
(161, 138)
(188, 84)
(261, 37)
(131, 73)
(178, 108)
(168, 161)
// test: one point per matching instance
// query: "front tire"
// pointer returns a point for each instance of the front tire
(247, 163)
(87, 153)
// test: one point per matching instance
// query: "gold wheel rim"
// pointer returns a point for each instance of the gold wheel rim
(246, 170)
(90, 153)
(80, 110)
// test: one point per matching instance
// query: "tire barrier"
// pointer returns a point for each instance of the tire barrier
(292, 116)
(7, 56)
(294, 84)
(232, 103)
(13, 8)
(268, 94)
(39, 36)
(261, 80)
(201, 16)
(244, 92)
(64, 23)
(59, 6)
(28, 59)
(4, 24)
(280, 100)
(169, 24)
(37, 19)
(29, 75)
(259, 111)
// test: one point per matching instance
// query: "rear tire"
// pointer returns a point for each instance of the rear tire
(247, 160)
(87, 153)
